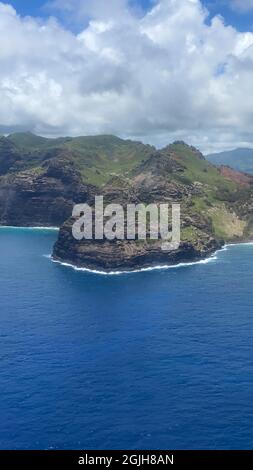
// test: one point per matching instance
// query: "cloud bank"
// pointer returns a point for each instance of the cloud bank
(160, 76)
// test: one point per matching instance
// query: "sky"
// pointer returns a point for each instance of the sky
(151, 70)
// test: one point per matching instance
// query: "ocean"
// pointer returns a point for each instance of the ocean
(160, 359)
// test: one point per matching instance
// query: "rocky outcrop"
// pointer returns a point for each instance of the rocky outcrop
(44, 198)
(9, 155)
(129, 255)
(42, 179)
(205, 205)
(153, 181)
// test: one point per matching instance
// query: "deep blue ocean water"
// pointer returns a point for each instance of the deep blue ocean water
(152, 360)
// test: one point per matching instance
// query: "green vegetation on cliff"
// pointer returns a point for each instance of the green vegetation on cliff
(41, 179)
(98, 158)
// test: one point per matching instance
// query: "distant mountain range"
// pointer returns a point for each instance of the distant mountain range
(240, 159)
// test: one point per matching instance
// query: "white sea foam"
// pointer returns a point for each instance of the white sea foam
(211, 259)
(141, 270)
(13, 227)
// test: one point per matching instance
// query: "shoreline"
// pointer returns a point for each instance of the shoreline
(15, 227)
(133, 271)
(209, 259)
(182, 264)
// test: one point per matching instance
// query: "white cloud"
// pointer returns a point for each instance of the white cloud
(162, 76)
(242, 5)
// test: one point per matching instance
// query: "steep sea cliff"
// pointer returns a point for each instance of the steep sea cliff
(42, 179)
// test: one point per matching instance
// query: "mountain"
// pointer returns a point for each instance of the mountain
(215, 208)
(41, 179)
(96, 157)
(240, 159)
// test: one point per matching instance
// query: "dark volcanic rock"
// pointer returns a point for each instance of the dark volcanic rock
(44, 199)
(9, 155)
(127, 255)
(42, 179)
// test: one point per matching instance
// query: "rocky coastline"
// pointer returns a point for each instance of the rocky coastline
(40, 185)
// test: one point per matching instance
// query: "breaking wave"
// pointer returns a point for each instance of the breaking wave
(134, 271)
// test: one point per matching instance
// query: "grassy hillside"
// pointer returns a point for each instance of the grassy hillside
(220, 199)
(113, 164)
(198, 170)
(98, 158)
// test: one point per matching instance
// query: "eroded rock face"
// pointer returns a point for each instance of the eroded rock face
(151, 182)
(43, 199)
(157, 180)
(128, 254)
(41, 180)
(9, 155)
